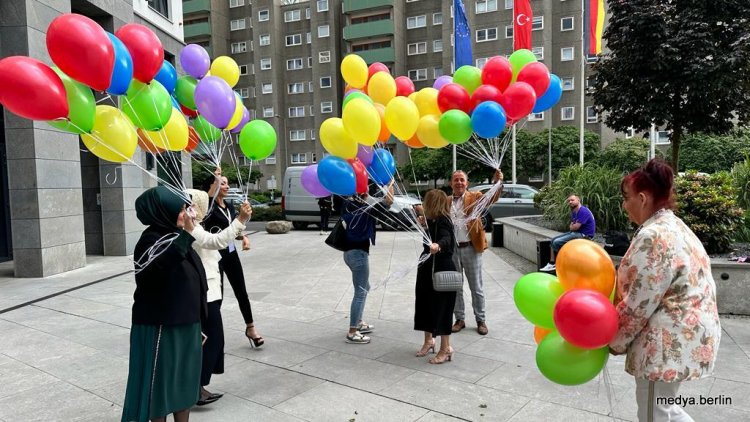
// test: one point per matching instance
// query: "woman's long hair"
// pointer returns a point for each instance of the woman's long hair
(436, 203)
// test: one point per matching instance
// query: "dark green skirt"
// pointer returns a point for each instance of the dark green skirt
(164, 371)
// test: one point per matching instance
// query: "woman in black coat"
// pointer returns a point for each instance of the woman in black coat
(433, 311)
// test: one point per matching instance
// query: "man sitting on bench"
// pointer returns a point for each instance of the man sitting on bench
(582, 226)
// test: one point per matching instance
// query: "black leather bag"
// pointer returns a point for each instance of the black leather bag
(337, 238)
(616, 243)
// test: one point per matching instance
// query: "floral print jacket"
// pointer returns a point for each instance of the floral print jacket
(669, 323)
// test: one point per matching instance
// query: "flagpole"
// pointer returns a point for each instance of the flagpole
(455, 46)
(583, 79)
(514, 154)
(549, 148)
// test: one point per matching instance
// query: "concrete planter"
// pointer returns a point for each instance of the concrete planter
(732, 279)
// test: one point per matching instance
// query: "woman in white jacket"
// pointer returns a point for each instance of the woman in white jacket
(207, 245)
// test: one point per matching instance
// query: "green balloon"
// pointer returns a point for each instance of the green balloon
(81, 104)
(354, 95)
(185, 91)
(519, 59)
(206, 131)
(535, 295)
(455, 126)
(257, 140)
(469, 77)
(565, 364)
(148, 106)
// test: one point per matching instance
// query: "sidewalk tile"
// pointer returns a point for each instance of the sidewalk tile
(57, 401)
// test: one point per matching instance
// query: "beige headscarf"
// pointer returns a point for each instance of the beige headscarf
(200, 202)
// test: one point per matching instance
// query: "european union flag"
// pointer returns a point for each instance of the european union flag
(461, 36)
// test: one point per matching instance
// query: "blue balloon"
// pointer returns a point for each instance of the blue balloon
(383, 167)
(175, 104)
(122, 72)
(167, 76)
(488, 119)
(337, 176)
(551, 95)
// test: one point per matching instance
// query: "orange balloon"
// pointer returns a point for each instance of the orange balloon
(540, 333)
(193, 140)
(146, 143)
(384, 134)
(583, 264)
(414, 142)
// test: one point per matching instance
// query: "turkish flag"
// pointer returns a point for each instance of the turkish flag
(522, 21)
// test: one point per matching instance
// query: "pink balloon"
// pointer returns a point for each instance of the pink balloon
(518, 100)
(404, 86)
(377, 67)
(360, 172)
(585, 318)
(311, 183)
(537, 75)
(365, 154)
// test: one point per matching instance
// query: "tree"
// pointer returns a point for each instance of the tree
(532, 150)
(428, 164)
(712, 153)
(680, 64)
(625, 155)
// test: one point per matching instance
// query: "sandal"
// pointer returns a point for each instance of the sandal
(442, 357)
(426, 348)
(254, 341)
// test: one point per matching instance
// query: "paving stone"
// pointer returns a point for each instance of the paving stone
(233, 408)
(18, 377)
(58, 401)
(541, 411)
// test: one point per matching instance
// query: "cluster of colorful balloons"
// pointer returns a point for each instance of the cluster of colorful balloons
(573, 313)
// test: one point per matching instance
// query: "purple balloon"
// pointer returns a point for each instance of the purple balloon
(195, 61)
(365, 154)
(351, 91)
(311, 183)
(215, 101)
(442, 81)
(243, 121)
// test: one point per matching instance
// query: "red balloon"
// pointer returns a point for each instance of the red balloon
(485, 93)
(404, 86)
(537, 75)
(193, 140)
(585, 318)
(360, 172)
(497, 72)
(145, 49)
(81, 49)
(31, 89)
(190, 113)
(453, 96)
(518, 100)
(375, 68)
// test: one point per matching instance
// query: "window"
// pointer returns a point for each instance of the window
(300, 158)
(437, 18)
(309, 62)
(294, 64)
(629, 133)
(308, 37)
(324, 57)
(323, 31)
(291, 15)
(418, 74)
(591, 115)
(484, 6)
(243, 92)
(416, 48)
(508, 4)
(243, 69)
(252, 95)
(567, 113)
(566, 54)
(437, 46)
(252, 68)
(371, 18)
(267, 111)
(314, 157)
(298, 111)
(296, 88)
(239, 47)
(265, 39)
(307, 13)
(325, 82)
(271, 159)
(312, 110)
(662, 137)
(488, 34)
(416, 21)
(322, 5)
(312, 136)
(537, 23)
(237, 24)
(568, 83)
(265, 64)
(566, 23)
(295, 39)
(437, 72)
(297, 135)
(159, 6)
(263, 15)
(538, 52)
(481, 61)
(533, 117)
(267, 88)
(508, 31)
(310, 86)
(326, 107)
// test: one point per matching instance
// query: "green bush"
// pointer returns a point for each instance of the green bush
(711, 153)
(741, 181)
(625, 155)
(708, 205)
(267, 214)
(743, 233)
(599, 190)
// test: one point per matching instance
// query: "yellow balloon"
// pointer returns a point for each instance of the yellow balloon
(402, 118)
(239, 111)
(426, 101)
(336, 139)
(362, 121)
(413, 96)
(226, 68)
(354, 70)
(173, 136)
(428, 132)
(113, 137)
(381, 87)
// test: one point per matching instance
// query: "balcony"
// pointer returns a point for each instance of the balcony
(197, 29)
(383, 55)
(368, 29)
(359, 5)
(195, 6)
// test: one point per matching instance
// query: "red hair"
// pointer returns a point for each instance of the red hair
(656, 178)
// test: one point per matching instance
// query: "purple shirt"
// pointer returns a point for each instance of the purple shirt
(584, 216)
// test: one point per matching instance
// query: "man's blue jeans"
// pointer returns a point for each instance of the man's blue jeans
(358, 262)
(559, 241)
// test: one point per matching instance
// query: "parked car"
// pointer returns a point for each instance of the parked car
(515, 200)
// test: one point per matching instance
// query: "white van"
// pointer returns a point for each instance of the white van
(297, 205)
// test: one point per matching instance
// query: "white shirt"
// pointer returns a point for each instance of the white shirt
(207, 245)
(459, 219)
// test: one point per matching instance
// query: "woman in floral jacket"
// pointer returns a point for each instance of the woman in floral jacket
(669, 323)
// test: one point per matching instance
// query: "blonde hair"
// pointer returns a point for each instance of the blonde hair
(436, 203)
(200, 202)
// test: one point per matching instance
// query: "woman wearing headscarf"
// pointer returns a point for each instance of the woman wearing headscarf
(168, 305)
(669, 322)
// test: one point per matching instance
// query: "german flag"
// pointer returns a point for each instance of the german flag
(593, 26)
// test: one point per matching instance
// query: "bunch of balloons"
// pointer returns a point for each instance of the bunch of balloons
(573, 313)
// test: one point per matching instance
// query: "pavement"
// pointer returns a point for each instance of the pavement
(64, 348)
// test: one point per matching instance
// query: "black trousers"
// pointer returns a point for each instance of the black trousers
(231, 268)
(324, 220)
(213, 349)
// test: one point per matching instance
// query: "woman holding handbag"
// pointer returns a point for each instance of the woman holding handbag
(433, 310)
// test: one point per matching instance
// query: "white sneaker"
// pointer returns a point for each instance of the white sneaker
(549, 267)
(322, 232)
(357, 338)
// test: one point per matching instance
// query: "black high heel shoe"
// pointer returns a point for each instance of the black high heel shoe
(254, 341)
